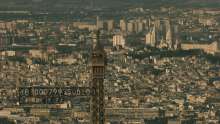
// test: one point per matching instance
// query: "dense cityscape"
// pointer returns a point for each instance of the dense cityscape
(162, 65)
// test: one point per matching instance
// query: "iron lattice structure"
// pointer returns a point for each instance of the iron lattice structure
(98, 73)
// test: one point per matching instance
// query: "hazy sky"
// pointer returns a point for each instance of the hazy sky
(69, 4)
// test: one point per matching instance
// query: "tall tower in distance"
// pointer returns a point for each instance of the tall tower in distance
(98, 73)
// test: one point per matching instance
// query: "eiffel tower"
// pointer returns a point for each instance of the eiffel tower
(98, 72)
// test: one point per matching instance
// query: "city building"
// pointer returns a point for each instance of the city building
(130, 27)
(118, 41)
(150, 38)
(110, 25)
(156, 120)
(40, 54)
(210, 48)
(85, 25)
(123, 27)
(99, 23)
(168, 34)
(140, 26)
(3, 41)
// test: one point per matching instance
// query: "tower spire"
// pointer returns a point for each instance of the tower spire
(98, 45)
